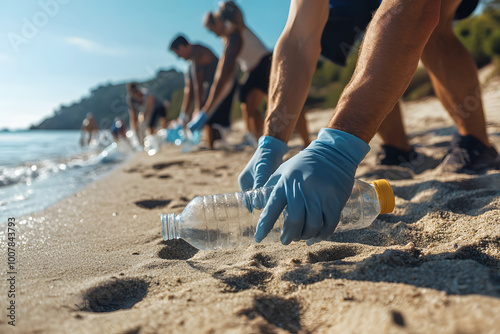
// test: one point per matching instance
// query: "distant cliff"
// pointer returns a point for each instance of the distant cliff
(108, 101)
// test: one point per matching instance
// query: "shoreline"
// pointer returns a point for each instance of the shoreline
(95, 261)
(39, 182)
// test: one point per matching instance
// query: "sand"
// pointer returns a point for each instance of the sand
(96, 263)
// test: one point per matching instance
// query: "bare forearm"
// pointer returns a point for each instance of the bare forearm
(388, 59)
(224, 73)
(291, 77)
(133, 120)
(187, 100)
(294, 62)
(218, 89)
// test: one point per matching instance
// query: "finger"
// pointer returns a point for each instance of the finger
(263, 171)
(260, 202)
(295, 215)
(331, 220)
(273, 180)
(314, 216)
(245, 180)
(271, 213)
(261, 177)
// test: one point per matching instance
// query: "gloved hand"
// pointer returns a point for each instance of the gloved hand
(265, 161)
(314, 186)
(182, 118)
(198, 122)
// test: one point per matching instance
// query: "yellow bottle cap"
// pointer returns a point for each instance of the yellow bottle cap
(385, 196)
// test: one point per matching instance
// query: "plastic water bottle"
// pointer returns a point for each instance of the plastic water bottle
(230, 220)
(190, 141)
(152, 144)
(187, 140)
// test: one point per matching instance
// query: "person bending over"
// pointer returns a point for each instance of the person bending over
(243, 47)
(89, 128)
(316, 183)
(145, 109)
(198, 80)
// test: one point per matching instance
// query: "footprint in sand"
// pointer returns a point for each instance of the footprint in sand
(476, 253)
(240, 279)
(277, 311)
(163, 165)
(334, 253)
(153, 203)
(264, 260)
(473, 202)
(176, 250)
(113, 295)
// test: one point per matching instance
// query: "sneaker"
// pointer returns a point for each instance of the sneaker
(392, 156)
(469, 155)
(249, 140)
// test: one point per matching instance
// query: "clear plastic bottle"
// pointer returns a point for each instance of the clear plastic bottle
(229, 220)
(152, 144)
(187, 140)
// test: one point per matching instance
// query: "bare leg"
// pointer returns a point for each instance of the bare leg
(393, 45)
(301, 128)
(163, 122)
(454, 76)
(210, 136)
(392, 130)
(255, 122)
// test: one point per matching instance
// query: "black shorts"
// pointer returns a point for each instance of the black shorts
(466, 8)
(348, 20)
(257, 78)
(158, 112)
(222, 115)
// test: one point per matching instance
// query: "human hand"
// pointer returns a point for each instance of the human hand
(266, 159)
(198, 121)
(182, 118)
(314, 187)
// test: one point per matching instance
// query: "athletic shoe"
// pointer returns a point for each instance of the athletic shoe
(469, 155)
(393, 156)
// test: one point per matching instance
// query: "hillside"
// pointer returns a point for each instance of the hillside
(108, 101)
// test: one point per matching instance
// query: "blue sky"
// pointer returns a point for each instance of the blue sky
(53, 51)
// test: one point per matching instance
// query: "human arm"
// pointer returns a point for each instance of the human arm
(187, 101)
(150, 104)
(294, 62)
(224, 72)
(133, 119)
(198, 88)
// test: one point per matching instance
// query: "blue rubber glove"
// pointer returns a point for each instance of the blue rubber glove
(266, 159)
(182, 117)
(198, 123)
(314, 186)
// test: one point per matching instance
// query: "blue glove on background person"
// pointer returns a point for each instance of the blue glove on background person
(197, 123)
(314, 186)
(266, 159)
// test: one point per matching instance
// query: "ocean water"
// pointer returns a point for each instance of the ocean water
(39, 168)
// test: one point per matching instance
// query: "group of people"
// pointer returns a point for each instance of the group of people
(210, 82)
(315, 184)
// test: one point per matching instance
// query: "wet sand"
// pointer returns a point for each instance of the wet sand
(96, 263)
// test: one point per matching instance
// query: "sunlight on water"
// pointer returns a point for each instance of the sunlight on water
(39, 168)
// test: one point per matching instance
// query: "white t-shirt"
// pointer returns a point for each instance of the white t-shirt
(252, 51)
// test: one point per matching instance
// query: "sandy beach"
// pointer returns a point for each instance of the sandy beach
(96, 262)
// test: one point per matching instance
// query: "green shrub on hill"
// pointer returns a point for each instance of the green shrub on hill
(479, 34)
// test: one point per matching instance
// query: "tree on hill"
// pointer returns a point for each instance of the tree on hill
(108, 101)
